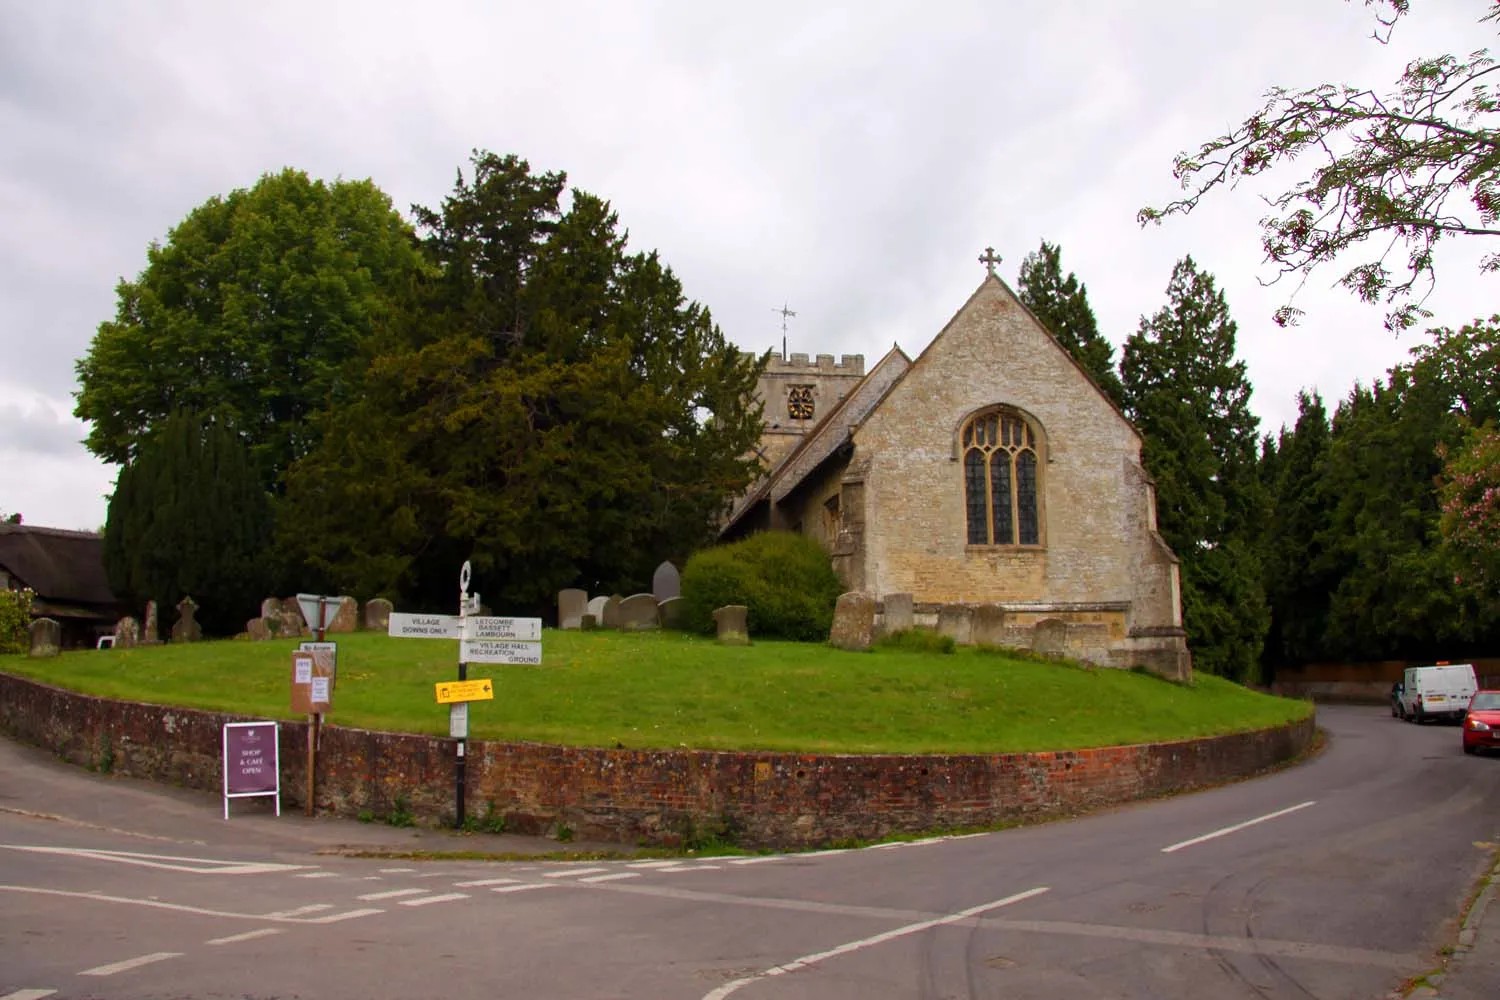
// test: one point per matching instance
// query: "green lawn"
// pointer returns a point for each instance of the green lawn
(663, 689)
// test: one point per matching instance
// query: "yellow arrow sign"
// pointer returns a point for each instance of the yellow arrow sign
(451, 691)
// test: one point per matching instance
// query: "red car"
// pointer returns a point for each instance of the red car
(1482, 723)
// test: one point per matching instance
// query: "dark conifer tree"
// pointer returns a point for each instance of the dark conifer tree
(1062, 304)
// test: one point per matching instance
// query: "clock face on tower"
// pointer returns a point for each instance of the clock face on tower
(799, 402)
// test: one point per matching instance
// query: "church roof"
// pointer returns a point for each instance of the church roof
(826, 438)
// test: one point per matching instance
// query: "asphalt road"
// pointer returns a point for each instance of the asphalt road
(1338, 878)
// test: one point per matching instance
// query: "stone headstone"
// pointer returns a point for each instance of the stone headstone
(258, 629)
(587, 623)
(127, 633)
(853, 621)
(990, 628)
(731, 621)
(596, 608)
(46, 637)
(378, 614)
(956, 621)
(671, 613)
(571, 606)
(151, 630)
(287, 621)
(666, 582)
(1049, 637)
(898, 613)
(187, 628)
(343, 617)
(610, 616)
(270, 607)
(639, 611)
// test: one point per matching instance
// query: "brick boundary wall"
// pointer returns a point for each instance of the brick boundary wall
(760, 798)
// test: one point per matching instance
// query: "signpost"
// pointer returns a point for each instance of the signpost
(482, 639)
(314, 696)
(252, 762)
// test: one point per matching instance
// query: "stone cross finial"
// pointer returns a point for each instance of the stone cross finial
(989, 259)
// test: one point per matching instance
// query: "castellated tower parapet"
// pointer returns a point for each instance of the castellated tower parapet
(798, 392)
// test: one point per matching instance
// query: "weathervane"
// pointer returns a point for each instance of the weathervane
(785, 312)
(989, 259)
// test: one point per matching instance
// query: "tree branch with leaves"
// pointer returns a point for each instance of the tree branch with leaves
(1403, 170)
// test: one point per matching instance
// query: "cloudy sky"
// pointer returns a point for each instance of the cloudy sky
(850, 160)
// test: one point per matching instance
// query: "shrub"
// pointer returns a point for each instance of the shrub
(783, 579)
(15, 620)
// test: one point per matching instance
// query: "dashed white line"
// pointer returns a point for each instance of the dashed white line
(1237, 827)
(690, 868)
(446, 897)
(653, 864)
(318, 875)
(247, 936)
(611, 878)
(370, 897)
(569, 873)
(300, 911)
(758, 861)
(396, 871)
(891, 935)
(28, 995)
(334, 918)
(130, 963)
(483, 882)
(523, 888)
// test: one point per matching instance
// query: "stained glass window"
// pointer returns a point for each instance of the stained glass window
(1001, 487)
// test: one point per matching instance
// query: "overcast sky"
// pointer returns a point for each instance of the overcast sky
(850, 160)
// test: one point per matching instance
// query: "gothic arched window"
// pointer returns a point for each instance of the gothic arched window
(1002, 480)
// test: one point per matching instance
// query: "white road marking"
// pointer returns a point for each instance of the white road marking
(247, 936)
(300, 911)
(569, 873)
(611, 878)
(891, 935)
(758, 861)
(691, 868)
(396, 871)
(28, 995)
(1237, 827)
(197, 866)
(479, 882)
(523, 888)
(334, 918)
(370, 897)
(653, 864)
(130, 963)
(318, 875)
(446, 897)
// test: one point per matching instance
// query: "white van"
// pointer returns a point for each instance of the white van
(1439, 692)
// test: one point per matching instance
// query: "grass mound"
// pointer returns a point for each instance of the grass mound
(669, 690)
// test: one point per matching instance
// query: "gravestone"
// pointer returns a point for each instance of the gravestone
(671, 613)
(378, 614)
(957, 621)
(258, 629)
(571, 606)
(898, 613)
(151, 631)
(853, 621)
(731, 622)
(187, 628)
(587, 623)
(46, 637)
(596, 608)
(666, 582)
(610, 616)
(990, 627)
(127, 633)
(1049, 637)
(638, 611)
(343, 617)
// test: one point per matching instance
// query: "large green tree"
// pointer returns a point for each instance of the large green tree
(548, 405)
(1407, 168)
(190, 517)
(1191, 400)
(249, 311)
(1062, 304)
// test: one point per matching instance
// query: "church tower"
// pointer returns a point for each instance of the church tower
(797, 394)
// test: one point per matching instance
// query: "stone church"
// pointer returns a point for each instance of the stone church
(989, 478)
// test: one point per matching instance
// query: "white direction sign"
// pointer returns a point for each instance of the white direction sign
(500, 651)
(409, 626)
(317, 610)
(484, 627)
